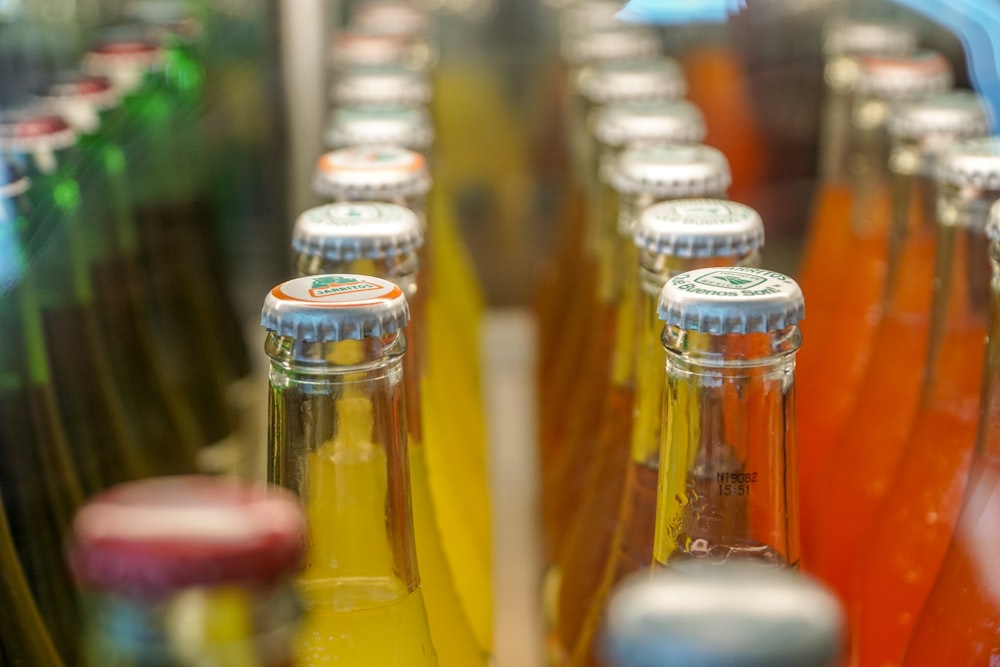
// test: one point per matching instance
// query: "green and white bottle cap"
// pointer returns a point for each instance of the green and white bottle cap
(972, 163)
(699, 228)
(377, 173)
(896, 78)
(335, 307)
(853, 37)
(389, 85)
(671, 171)
(349, 231)
(631, 80)
(406, 126)
(647, 123)
(734, 300)
(623, 43)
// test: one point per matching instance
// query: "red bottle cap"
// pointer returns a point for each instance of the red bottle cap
(157, 536)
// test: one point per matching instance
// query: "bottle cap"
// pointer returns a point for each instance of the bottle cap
(671, 171)
(699, 228)
(406, 126)
(590, 17)
(715, 617)
(371, 173)
(629, 80)
(993, 225)
(625, 43)
(735, 300)
(903, 77)
(79, 98)
(950, 116)
(847, 37)
(390, 17)
(27, 131)
(335, 307)
(972, 163)
(364, 230)
(365, 49)
(122, 61)
(651, 122)
(380, 86)
(153, 537)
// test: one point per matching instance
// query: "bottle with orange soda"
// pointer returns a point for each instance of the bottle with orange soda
(857, 475)
(670, 238)
(960, 623)
(837, 356)
(904, 549)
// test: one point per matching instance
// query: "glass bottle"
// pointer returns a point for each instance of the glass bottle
(337, 437)
(676, 618)
(670, 238)
(189, 570)
(640, 177)
(960, 621)
(383, 240)
(157, 410)
(727, 487)
(906, 544)
(55, 238)
(858, 473)
(451, 402)
(38, 481)
(838, 357)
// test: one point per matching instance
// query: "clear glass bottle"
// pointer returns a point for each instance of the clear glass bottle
(728, 485)
(907, 543)
(670, 238)
(189, 571)
(859, 472)
(338, 438)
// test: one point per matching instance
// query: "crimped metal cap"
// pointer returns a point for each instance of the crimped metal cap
(363, 230)
(735, 300)
(391, 17)
(631, 80)
(26, 131)
(625, 43)
(903, 77)
(846, 37)
(352, 48)
(651, 122)
(335, 307)
(993, 225)
(671, 171)
(957, 114)
(371, 173)
(973, 163)
(406, 126)
(79, 98)
(699, 228)
(389, 85)
(123, 61)
(590, 17)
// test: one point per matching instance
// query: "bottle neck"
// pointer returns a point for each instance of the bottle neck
(835, 119)
(727, 486)
(988, 441)
(867, 164)
(338, 439)
(913, 222)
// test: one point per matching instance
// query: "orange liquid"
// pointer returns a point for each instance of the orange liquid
(856, 477)
(585, 551)
(828, 237)
(907, 544)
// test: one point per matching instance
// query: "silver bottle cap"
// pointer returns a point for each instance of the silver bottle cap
(957, 114)
(351, 48)
(373, 173)
(735, 300)
(903, 77)
(79, 98)
(349, 231)
(671, 171)
(993, 226)
(406, 126)
(123, 61)
(717, 617)
(699, 228)
(335, 307)
(391, 17)
(36, 132)
(631, 80)
(626, 43)
(391, 85)
(972, 163)
(846, 37)
(590, 17)
(646, 123)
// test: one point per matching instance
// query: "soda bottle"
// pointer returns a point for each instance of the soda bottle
(158, 411)
(452, 411)
(189, 570)
(727, 486)
(406, 126)
(670, 238)
(383, 240)
(960, 619)
(835, 358)
(640, 177)
(857, 475)
(55, 238)
(906, 544)
(712, 617)
(337, 437)
(39, 485)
